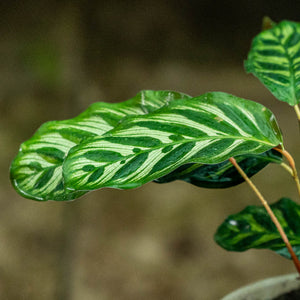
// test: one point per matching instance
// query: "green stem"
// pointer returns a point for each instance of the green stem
(292, 164)
(270, 213)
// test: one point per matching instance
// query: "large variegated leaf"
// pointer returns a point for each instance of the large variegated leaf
(207, 129)
(36, 172)
(253, 228)
(275, 59)
(224, 174)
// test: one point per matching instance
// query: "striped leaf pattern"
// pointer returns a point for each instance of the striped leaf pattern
(206, 129)
(36, 172)
(275, 59)
(252, 228)
(224, 174)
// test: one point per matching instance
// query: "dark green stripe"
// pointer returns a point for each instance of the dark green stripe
(262, 219)
(272, 66)
(246, 243)
(110, 118)
(103, 155)
(278, 77)
(96, 174)
(290, 213)
(246, 145)
(75, 135)
(51, 155)
(142, 141)
(268, 42)
(216, 147)
(130, 166)
(210, 120)
(271, 52)
(172, 128)
(44, 178)
(35, 166)
(172, 157)
(241, 121)
(296, 54)
(292, 40)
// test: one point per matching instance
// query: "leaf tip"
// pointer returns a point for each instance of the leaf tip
(267, 23)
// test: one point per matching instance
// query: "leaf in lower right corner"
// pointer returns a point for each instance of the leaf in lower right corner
(252, 228)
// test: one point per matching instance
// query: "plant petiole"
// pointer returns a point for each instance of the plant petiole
(297, 110)
(270, 213)
(292, 164)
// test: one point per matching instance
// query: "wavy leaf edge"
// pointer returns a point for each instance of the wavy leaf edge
(84, 161)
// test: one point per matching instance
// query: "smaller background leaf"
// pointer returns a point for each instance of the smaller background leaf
(252, 228)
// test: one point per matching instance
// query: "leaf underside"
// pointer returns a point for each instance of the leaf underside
(224, 174)
(36, 172)
(252, 228)
(207, 129)
(274, 58)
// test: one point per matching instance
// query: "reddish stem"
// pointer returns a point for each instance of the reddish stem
(270, 212)
(292, 164)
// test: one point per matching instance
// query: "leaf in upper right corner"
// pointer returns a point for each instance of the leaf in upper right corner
(274, 58)
(252, 228)
(224, 174)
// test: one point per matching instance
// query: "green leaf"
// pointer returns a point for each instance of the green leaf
(275, 59)
(36, 172)
(224, 174)
(207, 129)
(253, 228)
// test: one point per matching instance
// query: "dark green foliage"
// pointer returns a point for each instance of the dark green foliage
(224, 174)
(253, 228)
(274, 60)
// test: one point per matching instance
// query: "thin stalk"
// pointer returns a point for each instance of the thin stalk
(288, 168)
(297, 110)
(270, 212)
(292, 164)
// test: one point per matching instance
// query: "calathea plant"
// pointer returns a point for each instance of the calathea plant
(215, 140)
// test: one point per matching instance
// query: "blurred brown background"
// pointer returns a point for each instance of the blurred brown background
(155, 242)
